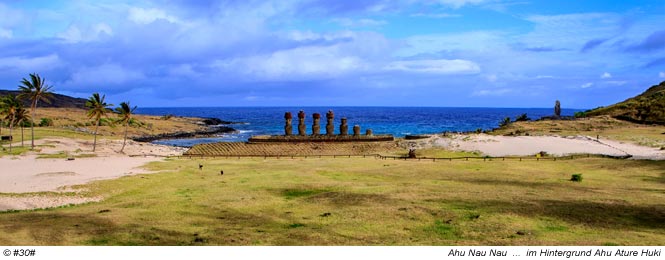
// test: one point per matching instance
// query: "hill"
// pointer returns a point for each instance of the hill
(646, 108)
(57, 101)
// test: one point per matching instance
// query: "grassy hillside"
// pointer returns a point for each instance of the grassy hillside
(58, 100)
(648, 107)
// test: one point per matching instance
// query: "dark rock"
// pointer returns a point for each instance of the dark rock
(203, 133)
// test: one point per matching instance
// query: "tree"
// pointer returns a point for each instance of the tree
(557, 108)
(97, 109)
(10, 107)
(20, 118)
(125, 112)
(34, 90)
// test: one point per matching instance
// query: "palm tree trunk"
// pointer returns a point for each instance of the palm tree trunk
(32, 125)
(125, 140)
(94, 143)
(10, 134)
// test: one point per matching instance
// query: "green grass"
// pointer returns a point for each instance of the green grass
(360, 201)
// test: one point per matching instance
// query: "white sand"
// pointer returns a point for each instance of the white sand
(530, 145)
(26, 173)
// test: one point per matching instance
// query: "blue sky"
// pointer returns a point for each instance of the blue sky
(468, 53)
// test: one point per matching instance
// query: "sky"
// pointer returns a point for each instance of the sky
(444, 53)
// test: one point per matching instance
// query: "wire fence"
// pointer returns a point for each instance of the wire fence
(406, 158)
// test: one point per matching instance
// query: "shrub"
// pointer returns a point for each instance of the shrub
(522, 117)
(576, 177)
(479, 130)
(46, 122)
(580, 114)
(504, 122)
(167, 117)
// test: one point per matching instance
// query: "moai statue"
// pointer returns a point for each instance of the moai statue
(356, 130)
(368, 132)
(330, 127)
(343, 128)
(288, 129)
(301, 123)
(316, 127)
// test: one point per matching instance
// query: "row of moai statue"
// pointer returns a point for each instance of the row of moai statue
(316, 126)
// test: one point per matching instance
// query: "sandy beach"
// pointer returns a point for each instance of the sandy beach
(29, 174)
(530, 145)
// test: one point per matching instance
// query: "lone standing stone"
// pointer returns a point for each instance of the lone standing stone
(343, 128)
(330, 128)
(316, 128)
(301, 123)
(288, 129)
(356, 130)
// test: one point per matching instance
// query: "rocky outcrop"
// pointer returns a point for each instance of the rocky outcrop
(178, 135)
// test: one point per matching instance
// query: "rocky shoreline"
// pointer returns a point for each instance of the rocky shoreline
(213, 128)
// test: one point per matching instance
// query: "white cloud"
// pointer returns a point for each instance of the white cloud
(661, 74)
(586, 85)
(606, 75)
(102, 76)
(146, 16)
(30, 64)
(435, 66)
(6, 33)
(303, 63)
(74, 34)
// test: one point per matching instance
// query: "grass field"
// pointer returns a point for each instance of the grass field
(356, 201)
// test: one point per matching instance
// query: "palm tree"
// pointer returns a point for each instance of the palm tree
(10, 107)
(97, 109)
(125, 112)
(34, 90)
(20, 118)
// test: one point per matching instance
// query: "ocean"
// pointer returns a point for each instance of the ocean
(398, 121)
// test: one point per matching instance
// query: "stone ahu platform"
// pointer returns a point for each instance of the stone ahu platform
(319, 138)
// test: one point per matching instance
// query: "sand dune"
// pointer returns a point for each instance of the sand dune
(27, 173)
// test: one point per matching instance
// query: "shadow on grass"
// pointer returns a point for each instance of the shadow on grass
(50, 228)
(595, 214)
